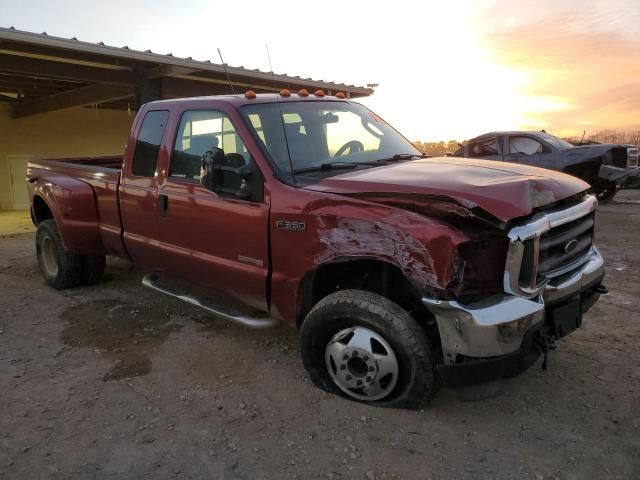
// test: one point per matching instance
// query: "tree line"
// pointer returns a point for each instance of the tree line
(437, 149)
(610, 136)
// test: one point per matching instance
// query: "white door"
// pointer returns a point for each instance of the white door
(18, 180)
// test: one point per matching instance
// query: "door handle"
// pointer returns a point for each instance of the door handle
(163, 203)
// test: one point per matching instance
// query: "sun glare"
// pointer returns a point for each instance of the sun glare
(464, 88)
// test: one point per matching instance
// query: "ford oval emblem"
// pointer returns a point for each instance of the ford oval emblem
(570, 246)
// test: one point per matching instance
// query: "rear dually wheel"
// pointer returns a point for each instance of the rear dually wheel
(60, 269)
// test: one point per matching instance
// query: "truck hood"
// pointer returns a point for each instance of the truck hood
(504, 190)
(584, 153)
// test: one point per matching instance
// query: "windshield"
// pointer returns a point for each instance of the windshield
(305, 136)
(555, 141)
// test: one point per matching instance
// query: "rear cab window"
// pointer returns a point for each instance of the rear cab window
(484, 148)
(145, 154)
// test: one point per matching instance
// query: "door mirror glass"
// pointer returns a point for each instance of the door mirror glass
(230, 175)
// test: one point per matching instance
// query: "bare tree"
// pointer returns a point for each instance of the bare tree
(616, 136)
(437, 149)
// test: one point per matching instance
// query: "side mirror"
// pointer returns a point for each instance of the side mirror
(230, 175)
(210, 158)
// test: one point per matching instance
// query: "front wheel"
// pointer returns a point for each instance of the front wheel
(605, 190)
(367, 348)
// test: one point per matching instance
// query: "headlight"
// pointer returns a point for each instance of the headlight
(480, 267)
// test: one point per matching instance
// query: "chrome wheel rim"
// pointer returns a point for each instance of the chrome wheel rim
(49, 259)
(362, 363)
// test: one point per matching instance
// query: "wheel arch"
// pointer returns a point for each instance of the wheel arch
(362, 273)
(40, 210)
(71, 203)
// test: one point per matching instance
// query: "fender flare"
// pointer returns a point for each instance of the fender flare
(72, 204)
(306, 285)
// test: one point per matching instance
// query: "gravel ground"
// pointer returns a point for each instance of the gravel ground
(117, 381)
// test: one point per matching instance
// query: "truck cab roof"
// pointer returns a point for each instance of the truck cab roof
(508, 132)
(239, 100)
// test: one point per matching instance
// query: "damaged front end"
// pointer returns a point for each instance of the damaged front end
(474, 256)
(605, 167)
(503, 256)
(552, 275)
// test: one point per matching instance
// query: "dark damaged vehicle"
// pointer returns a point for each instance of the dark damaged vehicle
(603, 166)
(312, 211)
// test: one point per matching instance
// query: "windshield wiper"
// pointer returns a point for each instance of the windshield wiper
(337, 165)
(402, 156)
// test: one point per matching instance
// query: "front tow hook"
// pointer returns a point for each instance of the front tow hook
(544, 344)
(601, 289)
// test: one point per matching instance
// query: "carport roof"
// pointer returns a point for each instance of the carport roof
(40, 73)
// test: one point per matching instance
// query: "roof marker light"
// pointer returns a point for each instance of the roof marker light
(341, 95)
(250, 94)
(285, 92)
(303, 92)
(319, 93)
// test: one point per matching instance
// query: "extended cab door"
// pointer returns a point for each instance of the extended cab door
(215, 236)
(139, 189)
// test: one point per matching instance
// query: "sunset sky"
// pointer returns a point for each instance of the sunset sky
(446, 70)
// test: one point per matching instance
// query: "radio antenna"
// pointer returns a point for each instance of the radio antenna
(224, 65)
(266, 45)
(273, 75)
(286, 140)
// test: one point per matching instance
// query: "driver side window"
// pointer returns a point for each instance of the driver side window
(525, 145)
(200, 131)
(209, 151)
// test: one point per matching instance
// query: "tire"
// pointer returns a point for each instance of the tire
(605, 191)
(334, 325)
(93, 269)
(60, 269)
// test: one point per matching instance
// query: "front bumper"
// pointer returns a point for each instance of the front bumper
(616, 174)
(494, 338)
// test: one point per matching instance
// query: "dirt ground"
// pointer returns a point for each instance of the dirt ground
(115, 381)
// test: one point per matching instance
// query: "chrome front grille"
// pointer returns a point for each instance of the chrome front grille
(633, 156)
(619, 157)
(562, 245)
(550, 244)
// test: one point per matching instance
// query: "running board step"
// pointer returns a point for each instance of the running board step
(258, 320)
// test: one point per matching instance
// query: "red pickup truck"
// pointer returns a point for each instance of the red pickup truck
(311, 210)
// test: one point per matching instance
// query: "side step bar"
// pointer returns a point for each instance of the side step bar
(152, 281)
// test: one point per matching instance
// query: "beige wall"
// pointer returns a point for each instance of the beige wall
(66, 133)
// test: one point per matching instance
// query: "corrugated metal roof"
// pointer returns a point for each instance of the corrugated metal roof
(126, 53)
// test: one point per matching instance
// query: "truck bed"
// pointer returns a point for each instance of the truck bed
(76, 176)
(113, 163)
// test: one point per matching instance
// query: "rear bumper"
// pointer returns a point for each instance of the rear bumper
(495, 338)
